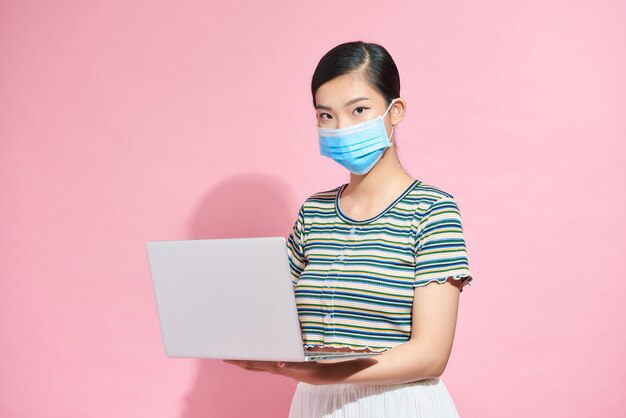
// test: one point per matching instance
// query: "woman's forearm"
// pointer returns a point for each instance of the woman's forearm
(405, 363)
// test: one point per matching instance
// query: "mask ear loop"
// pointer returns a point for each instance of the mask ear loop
(392, 126)
(390, 104)
(391, 136)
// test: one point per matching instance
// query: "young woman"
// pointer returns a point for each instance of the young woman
(378, 263)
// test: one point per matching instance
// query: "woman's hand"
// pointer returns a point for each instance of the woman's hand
(307, 372)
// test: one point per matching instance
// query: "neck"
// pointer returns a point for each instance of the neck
(387, 176)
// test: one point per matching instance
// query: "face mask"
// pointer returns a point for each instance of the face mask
(358, 147)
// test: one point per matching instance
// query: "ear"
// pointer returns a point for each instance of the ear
(397, 111)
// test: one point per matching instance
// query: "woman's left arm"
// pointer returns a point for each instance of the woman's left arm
(425, 355)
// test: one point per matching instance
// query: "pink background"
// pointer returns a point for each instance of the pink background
(128, 121)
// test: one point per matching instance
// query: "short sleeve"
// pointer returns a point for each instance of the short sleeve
(440, 245)
(295, 247)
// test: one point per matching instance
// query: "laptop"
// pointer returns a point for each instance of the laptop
(229, 298)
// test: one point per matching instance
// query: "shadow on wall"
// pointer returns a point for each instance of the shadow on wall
(249, 205)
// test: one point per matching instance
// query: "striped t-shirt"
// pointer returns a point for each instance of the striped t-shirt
(354, 280)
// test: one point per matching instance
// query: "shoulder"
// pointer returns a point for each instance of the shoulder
(430, 199)
(425, 194)
(428, 190)
(321, 198)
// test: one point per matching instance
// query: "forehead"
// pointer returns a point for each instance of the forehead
(341, 89)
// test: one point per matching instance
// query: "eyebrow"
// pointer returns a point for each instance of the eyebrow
(358, 99)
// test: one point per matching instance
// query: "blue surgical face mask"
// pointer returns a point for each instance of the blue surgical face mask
(358, 147)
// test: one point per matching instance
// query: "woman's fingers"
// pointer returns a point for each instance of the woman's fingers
(302, 371)
(294, 366)
(257, 366)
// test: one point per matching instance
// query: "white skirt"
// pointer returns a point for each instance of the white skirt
(427, 398)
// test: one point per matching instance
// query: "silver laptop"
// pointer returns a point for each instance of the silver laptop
(229, 299)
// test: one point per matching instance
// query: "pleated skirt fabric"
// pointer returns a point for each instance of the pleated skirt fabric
(428, 398)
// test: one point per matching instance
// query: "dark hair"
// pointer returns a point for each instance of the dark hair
(372, 59)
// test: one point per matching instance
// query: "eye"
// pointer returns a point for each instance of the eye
(359, 110)
(325, 116)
